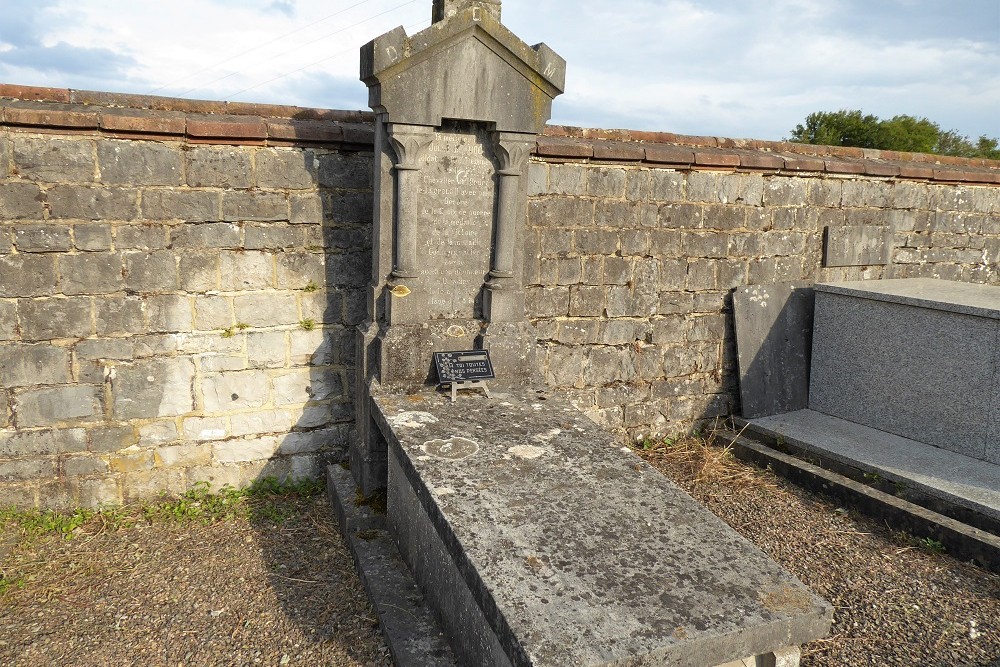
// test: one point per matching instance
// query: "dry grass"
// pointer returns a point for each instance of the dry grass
(696, 463)
(237, 578)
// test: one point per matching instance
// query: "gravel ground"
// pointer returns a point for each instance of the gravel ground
(896, 601)
(282, 590)
(236, 592)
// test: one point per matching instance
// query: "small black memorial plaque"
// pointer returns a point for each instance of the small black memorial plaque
(468, 366)
(468, 370)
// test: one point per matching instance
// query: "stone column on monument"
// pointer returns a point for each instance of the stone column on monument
(512, 150)
(409, 142)
(503, 303)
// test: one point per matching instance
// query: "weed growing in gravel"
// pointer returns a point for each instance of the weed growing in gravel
(11, 583)
(268, 497)
(201, 504)
(931, 545)
(40, 522)
(928, 544)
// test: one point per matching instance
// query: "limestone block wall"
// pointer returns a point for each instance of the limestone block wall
(176, 296)
(635, 249)
(180, 280)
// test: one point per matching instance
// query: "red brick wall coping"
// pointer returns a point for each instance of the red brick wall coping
(688, 152)
(149, 117)
(121, 115)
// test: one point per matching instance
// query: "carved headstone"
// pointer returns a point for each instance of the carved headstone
(458, 107)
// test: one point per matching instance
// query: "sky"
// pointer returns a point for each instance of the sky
(732, 68)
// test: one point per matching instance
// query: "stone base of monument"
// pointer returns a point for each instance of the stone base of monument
(538, 540)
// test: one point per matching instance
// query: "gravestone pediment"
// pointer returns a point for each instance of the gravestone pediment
(466, 67)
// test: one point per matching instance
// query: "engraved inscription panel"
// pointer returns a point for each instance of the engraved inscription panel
(457, 186)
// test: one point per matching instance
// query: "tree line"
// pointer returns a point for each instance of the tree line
(899, 133)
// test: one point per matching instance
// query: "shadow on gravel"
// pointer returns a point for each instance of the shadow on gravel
(312, 575)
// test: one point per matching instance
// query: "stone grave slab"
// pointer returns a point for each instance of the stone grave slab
(918, 358)
(954, 478)
(540, 541)
(773, 340)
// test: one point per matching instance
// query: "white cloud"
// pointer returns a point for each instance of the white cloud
(724, 67)
(286, 7)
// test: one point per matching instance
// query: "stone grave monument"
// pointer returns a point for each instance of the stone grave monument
(916, 357)
(458, 107)
(894, 382)
(515, 514)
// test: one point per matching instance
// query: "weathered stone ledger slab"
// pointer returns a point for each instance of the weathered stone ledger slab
(544, 543)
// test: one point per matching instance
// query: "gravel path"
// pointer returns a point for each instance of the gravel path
(282, 590)
(239, 592)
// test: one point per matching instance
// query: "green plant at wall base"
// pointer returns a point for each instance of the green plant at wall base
(200, 504)
(271, 486)
(41, 522)
(931, 545)
(308, 324)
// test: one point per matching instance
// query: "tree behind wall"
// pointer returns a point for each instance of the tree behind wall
(899, 133)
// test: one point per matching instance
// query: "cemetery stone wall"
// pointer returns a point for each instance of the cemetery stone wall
(180, 281)
(638, 239)
(178, 291)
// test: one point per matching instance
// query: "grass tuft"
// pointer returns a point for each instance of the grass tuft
(693, 460)
(201, 504)
(45, 522)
